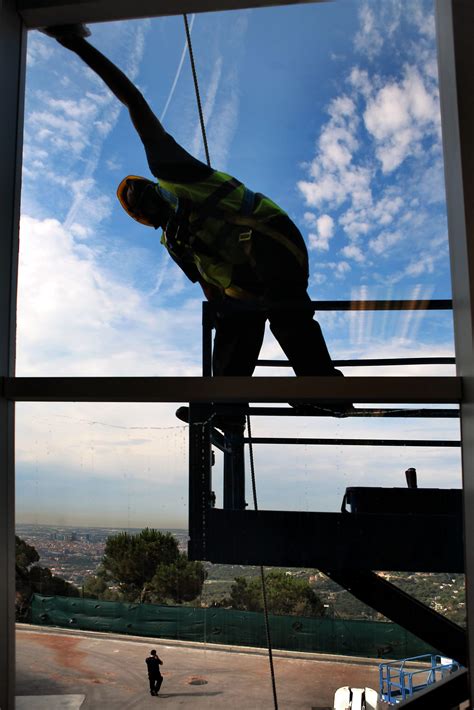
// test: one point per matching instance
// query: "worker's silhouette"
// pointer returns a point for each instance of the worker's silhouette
(155, 678)
(239, 245)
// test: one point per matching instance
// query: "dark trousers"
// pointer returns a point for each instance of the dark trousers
(285, 304)
(155, 682)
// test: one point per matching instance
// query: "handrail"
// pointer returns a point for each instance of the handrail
(372, 362)
(209, 309)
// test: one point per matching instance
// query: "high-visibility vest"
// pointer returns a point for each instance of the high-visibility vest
(220, 216)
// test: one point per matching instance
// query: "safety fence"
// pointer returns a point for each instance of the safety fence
(369, 639)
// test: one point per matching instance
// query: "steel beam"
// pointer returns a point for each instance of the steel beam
(442, 634)
(440, 390)
(402, 413)
(39, 13)
(455, 30)
(342, 541)
(234, 471)
(200, 479)
(371, 362)
(307, 441)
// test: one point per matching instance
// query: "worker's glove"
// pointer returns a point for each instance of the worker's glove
(67, 34)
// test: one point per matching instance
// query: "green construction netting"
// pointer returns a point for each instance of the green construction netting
(371, 639)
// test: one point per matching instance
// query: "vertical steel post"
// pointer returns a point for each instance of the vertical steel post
(12, 70)
(455, 32)
(200, 479)
(234, 471)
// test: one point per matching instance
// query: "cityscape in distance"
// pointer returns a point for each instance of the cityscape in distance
(75, 553)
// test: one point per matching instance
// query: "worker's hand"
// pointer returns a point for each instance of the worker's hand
(67, 35)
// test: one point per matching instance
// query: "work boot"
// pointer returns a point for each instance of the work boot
(332, 409)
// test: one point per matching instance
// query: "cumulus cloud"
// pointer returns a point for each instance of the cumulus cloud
(72, 319)
(377, 166)
(333, 175)
(351, 251)
(339, 268)
(324, 232)
(399, 116)
(383, 243)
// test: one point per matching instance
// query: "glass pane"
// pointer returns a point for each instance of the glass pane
(331, 110)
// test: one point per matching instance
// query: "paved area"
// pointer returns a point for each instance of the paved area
(101, 671)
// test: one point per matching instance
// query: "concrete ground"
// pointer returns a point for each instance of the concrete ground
(92, 670)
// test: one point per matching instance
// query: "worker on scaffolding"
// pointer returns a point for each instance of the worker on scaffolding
(240, 246)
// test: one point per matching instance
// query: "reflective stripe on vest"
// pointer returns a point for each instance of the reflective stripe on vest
(222, 216)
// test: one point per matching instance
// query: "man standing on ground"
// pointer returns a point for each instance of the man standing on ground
(155, 678)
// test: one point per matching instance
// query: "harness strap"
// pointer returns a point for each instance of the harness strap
(259, 226)
(244, 218)
(206, 208)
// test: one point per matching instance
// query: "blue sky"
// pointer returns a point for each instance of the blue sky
(332, 110)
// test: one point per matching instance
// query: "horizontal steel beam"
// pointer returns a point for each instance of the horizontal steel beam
(441, 304)
(40, 13)
(403, 413)
(372, 362)
(303, 441)
(337, 541)
(440, 390)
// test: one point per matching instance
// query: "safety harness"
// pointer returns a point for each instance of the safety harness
(211, 224)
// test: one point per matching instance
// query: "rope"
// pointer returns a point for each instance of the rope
(252, 467)
(196, 89)
(262, 573)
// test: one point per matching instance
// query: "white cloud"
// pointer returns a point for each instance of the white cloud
(399, 116)
(387, 208)
(325, 231)
(325, 225)
(71, 319)
(339, 268)
(317, 242)
(335, 188)
(355, 223)
(333, 176)
(424, 22)
(351, 251)
(66, 126)
(39, 50)
(224, 123)
(383, 243)
(208, 105)
(420, 265)
(361, 82)
(317, 278)
(369, 38)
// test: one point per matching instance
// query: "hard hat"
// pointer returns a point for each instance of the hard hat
(121, 194)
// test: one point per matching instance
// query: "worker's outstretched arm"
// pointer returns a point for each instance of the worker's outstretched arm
(143, 118)
(167, 159)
